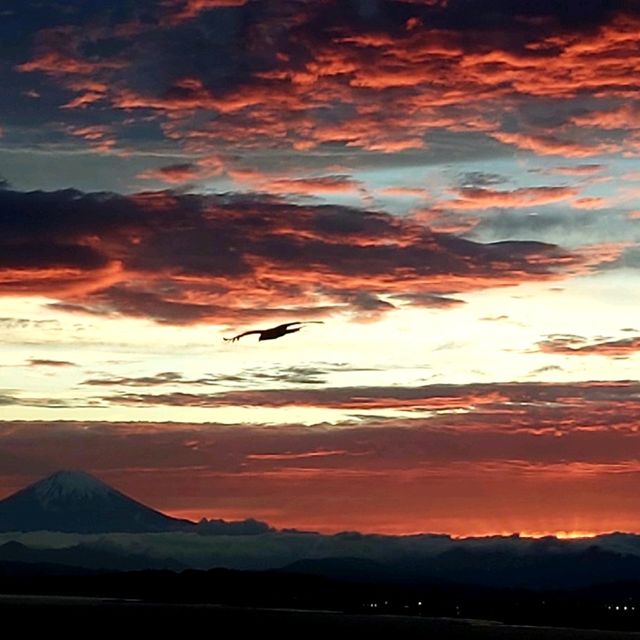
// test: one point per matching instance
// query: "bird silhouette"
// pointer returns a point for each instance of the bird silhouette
(274, 332)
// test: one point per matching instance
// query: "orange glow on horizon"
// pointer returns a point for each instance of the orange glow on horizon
(560, 535)
(271, 517)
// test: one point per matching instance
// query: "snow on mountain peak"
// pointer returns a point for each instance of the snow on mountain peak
(69, 485)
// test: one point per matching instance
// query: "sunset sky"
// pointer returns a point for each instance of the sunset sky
(451, 186)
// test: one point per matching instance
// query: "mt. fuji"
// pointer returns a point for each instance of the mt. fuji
(74, 501)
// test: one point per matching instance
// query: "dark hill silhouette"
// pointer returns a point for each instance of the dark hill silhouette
(567, 568)
(107, 596)
(35, 572)
(84, 556)
(344, 569)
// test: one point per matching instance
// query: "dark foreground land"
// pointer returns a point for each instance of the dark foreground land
(81, 616)
(84, 601)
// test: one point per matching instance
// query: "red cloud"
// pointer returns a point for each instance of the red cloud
(312, 186)
(577, 170)
(546, 144)
(483, 198)
(188, 9)
(624, 117)
(590, 203)
(57, 63)
(321, 453)
(405, 192)
(99, 137)
(58, 281)
(172, 174)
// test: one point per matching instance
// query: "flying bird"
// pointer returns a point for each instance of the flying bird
(274, 332)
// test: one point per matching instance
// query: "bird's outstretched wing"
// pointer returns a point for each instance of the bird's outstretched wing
(286, 325)
(241, 335)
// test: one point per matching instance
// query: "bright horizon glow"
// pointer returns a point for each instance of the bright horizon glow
(231, 515)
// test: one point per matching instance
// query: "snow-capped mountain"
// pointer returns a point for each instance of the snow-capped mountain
(69, 486)
(74, 501)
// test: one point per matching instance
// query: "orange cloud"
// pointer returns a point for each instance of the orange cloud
(550, 145)
(57, 63)
(89, 92)
(577, 170)
(58, 281)
(99, 137)
(483, 198)
(624, 117)
(171, 174)
(404, 192)
(443, 221)
(590, 203)
(182, 10)
(312, 186)
(322, 453)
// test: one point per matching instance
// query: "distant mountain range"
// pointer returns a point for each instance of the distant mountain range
(501, 569)
(73, 520)
(84, 556)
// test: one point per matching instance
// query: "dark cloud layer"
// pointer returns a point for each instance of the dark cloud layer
(576, 345)
(436, 397)
(40, 362)
(306, 75)
(533, 422)
(186, 258)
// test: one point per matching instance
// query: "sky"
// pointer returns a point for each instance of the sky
(450, 186)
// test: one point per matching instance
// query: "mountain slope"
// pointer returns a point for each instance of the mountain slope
(74, 501)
